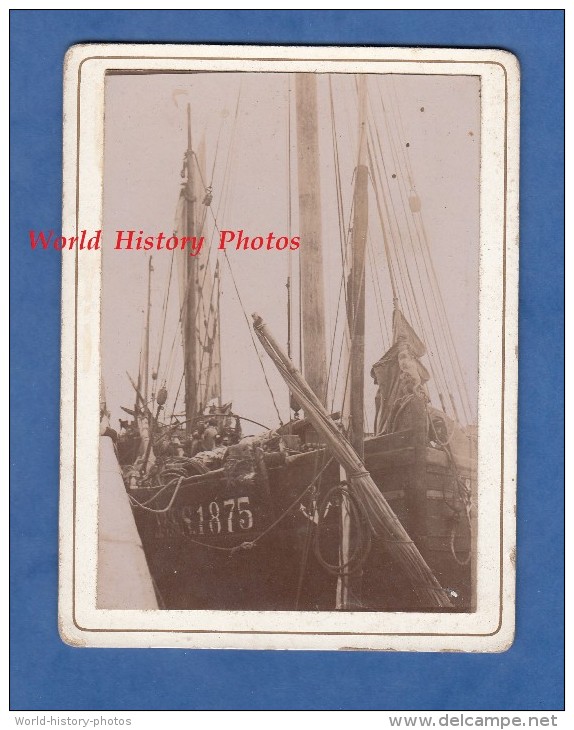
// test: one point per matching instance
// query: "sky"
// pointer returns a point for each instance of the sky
(425, 140)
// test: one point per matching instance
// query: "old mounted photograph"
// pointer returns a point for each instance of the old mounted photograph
(289, 337)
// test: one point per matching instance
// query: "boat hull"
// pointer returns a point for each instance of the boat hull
(235, 545)
(225, 544)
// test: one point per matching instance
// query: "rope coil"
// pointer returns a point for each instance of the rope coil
(362, 538)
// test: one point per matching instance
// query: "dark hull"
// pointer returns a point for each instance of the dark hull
(220, 545)
(419, 486)
(193, 568)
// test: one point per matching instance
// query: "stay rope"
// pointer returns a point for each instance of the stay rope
(246, 544)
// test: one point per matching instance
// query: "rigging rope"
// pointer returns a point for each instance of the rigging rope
(436, 290)
(384, 231)
(209, 321)
(410, 299)
(344, 235)
(253, 339)
(165, 302)
(241, 304)
(409, 218)
(438, 301)
(246, 544)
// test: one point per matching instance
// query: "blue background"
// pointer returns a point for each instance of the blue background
(46, 674)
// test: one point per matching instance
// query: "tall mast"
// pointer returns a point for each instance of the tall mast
(311, 256)
(356, 291)
(349, 586)
(207, 298)
(145, 355)
(190, 349)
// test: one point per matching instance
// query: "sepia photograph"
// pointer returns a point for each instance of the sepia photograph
(286, 365)
(320, 454)
(289, 326)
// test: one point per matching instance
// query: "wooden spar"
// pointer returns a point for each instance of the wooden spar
(146, 337)
(145, 423)
(288, 286)
(152, 423)
(349, 587)
(356, 289)
(139, 396)
(207, 298)
(138, 387)
(380, 517)
(311, 255)
(143, 370)
(189, 340)
(218, 332)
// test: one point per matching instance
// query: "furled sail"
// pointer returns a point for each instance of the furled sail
(399, 374)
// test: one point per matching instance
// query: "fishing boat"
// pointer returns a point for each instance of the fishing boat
(322, 511)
